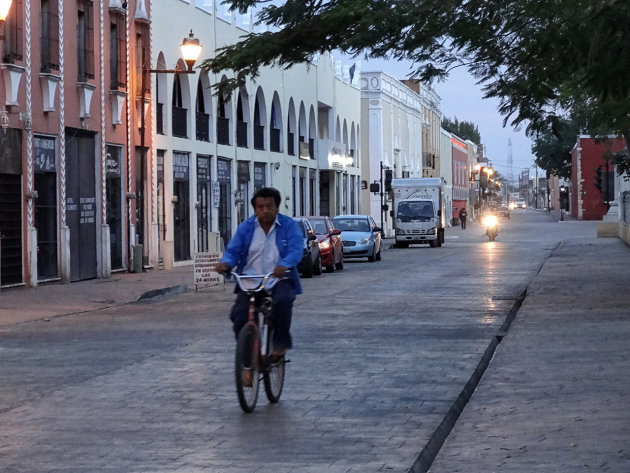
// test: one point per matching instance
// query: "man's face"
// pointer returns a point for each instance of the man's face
(265, 209)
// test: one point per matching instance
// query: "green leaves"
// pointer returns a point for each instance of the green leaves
(539, 58)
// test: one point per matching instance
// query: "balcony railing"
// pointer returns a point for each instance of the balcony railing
(274, 140)
(180, 126)
(259, 137)
(203, 126)
(241, 134)
(223, 131)
(291, 144)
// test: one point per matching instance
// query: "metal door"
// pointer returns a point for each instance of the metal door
(114, 205)
(203, 203)
(181, 207)
(81, 203)
(224, 176)
(46, 207)
(10, 207)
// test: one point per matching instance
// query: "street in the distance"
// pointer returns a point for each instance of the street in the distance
(385, 354)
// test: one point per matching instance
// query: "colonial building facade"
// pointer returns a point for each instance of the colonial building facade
(295, 129)
(106, 164)
(391, 113)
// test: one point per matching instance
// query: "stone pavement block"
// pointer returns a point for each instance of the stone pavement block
(555, 396)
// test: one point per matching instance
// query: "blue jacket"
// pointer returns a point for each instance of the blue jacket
(289, 241)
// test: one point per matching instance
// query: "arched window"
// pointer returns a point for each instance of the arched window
(179, 112)
(275, 128)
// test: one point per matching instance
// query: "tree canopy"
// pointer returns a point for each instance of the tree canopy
(534, 56)
(465, 130)
(553, 148)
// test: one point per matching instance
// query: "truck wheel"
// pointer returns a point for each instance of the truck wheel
(433, 243)
(402, 244)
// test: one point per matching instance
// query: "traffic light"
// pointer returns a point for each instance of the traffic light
(388, 180)
(598, 178)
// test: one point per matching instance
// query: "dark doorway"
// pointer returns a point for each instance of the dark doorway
(81, 203)
(10, 207)
(45, 207)
(181, 207)
(324, 193)
(224, 176)
(204, 215)
(114, 205)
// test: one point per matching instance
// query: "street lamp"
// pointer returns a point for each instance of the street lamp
(5, 6)
(190, 50)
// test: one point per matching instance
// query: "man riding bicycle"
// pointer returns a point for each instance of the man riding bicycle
(266, 242)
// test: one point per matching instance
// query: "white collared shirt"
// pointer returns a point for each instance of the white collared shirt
(263, 255)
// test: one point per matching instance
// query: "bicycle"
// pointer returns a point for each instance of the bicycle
(254, 345)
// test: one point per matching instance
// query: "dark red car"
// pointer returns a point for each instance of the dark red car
(329, 239)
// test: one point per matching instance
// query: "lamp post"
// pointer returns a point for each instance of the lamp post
(5, 6)
(190, 50)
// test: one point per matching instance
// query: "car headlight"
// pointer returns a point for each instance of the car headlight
(431, 231)
(364, 241)
(324, 245)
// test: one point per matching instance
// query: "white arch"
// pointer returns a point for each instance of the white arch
(161, 96)
(203, 88)
(260, 120)
(224, 111)
(292, 132)
(275, 120)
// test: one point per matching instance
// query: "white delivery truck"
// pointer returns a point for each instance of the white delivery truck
(418, 211)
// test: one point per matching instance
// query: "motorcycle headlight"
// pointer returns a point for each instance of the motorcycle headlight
(324, 245)
(364, 241)
(490, 221)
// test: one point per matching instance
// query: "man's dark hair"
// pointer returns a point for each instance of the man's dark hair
(267, 192)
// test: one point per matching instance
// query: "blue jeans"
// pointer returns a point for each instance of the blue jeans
(282, 297)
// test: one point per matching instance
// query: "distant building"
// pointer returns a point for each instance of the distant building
(391, 120)
(592, 177)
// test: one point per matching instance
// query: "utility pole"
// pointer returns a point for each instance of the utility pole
(382, 194)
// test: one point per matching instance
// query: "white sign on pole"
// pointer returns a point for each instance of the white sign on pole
(216, 194)
(204, 272)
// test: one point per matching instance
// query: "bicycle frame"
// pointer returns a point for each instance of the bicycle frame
(259, 361)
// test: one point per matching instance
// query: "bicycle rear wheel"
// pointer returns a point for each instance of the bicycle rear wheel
(274, 379)
(247, 367)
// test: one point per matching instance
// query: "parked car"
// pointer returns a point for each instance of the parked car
(503, 211)
(329, 239)
(311, 263)
(360, 236)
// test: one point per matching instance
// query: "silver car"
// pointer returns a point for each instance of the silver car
(360, 236)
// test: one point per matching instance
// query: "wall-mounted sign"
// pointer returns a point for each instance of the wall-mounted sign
(216, 194)
(44, 154)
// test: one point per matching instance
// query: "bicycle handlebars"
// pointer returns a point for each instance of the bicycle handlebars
(259, 282)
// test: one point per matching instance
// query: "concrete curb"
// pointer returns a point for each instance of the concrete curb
(166, 291)
(433, 446)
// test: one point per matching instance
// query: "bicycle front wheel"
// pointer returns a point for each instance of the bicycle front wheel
(247, 367)
(274, 379)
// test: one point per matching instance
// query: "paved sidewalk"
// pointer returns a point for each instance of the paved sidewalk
(51, 300)
(556, 396)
